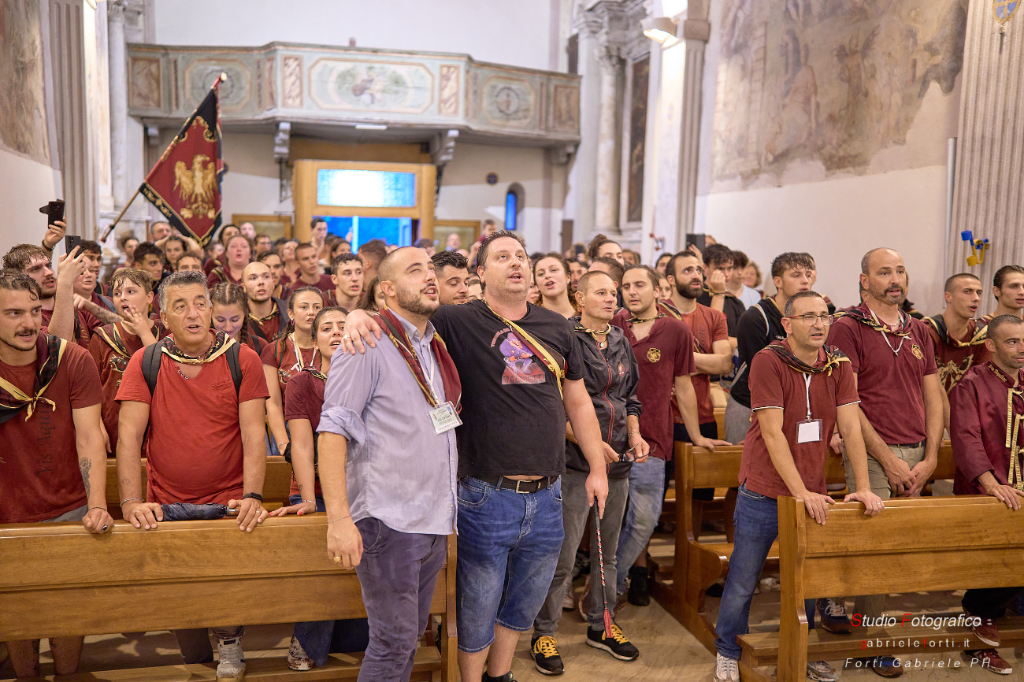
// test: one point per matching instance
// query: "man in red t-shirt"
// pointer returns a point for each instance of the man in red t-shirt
(268, 316)
(898, 383)
(309, 271)
(52, 467)
(206, 439)
(663, 347)
(56, 290)
(801, 390)
(347, 276)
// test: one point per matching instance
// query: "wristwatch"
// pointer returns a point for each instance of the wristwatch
(254, 496)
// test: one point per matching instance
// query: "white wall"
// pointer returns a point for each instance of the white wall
(251, 184)
(516, 33)
(25, 185)
(898, 201)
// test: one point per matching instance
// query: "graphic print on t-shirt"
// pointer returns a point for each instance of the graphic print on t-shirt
(521, 366)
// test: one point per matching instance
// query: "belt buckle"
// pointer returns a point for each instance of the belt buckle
(521, 492)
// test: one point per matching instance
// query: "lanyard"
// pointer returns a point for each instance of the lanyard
(299, 364)
(429, 376)
(896, 350)
(807, 388)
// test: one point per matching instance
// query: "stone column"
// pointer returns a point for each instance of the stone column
(117, 58)
(606, 214)
(696, 31)
(989, 195)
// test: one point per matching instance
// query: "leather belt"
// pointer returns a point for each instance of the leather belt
(521, 487)
(907, 445)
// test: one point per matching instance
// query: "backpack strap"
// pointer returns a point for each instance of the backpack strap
(108, 303)
(236, 369)
(151, 358)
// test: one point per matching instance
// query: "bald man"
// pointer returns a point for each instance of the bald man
(958, 339)
(893, 362)
(268, 316)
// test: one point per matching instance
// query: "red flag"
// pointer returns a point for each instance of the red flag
(184, 185)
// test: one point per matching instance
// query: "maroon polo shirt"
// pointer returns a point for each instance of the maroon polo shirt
(953, 360)
(325, 285)
(889, 384)
(775, 385)
(666, 353)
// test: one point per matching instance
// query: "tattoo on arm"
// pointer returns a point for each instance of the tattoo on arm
(106, 316)
(85, 466)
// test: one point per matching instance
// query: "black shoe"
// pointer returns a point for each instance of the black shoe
(617, 645)
(545, 655)
(507, 677)
(715, 591)
(639, 586)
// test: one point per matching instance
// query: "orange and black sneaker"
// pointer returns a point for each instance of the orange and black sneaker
(545, 655)
(617, 645)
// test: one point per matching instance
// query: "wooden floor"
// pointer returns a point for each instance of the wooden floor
(667, 651)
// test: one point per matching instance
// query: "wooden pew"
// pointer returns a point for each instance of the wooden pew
(686, 568)
(914, 545)
(275, 487)
(60, 580)
(720, 422)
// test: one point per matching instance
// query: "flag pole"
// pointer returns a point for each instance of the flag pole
(220, 79)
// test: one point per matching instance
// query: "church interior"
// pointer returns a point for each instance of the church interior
(830, 127)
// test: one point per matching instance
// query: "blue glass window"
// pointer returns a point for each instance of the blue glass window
(359, 229)
(349, 187)
(511, 209)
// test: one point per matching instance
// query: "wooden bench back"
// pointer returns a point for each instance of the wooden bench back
(275, 487)
(59, 579)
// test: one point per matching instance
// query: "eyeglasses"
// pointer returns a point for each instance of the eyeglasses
(811, 319)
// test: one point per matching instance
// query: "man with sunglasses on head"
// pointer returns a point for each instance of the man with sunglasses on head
(801, 390)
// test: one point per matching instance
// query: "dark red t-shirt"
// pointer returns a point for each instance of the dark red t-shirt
(270, 326)
(87, 326)
(39, 474)
(304, 401)
(707, 326)
(214, 278)
(889, 384)
(194, 449)
(666, 353)
(953, 361)
(325, 285)
(773, 385)
(281, 356)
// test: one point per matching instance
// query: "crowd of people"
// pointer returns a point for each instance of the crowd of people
(529, 402)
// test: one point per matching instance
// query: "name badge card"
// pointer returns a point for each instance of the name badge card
(808, 431)
(444, 417)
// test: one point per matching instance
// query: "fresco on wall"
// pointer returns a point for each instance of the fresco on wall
(22, 103)
(832, 81)
(371, 86)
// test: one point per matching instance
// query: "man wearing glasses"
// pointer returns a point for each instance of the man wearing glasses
(801, 390)
(893, 363)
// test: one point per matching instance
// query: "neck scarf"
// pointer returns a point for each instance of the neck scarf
(49, 353)
(113, 335)
(975, 336)
(833, 356)
(551, 358)
(449, 374)
(220, 345)
(864, 315)
(1014, 476)
(315, 372)
(594, 333)
(668, 308)
(260, 320)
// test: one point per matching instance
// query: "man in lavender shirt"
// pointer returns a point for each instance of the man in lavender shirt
(388, 464)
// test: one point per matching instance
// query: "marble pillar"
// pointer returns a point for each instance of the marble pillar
(696, 31)
(117, 57)
(606, 213)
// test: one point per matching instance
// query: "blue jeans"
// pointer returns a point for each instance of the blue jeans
(508, 549)
(646, 495)
(757, 526)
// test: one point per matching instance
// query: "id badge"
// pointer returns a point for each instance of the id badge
(808, 431)
(444, 417)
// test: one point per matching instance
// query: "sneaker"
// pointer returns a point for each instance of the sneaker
(726, 669)
(715, 591)
(988, 659)
(297, 658)
(545, 655)
(639, 593)
(884, 666)
(231, 660)
(568, 599)
(583, 604)
(987, 631)
(617, 645)
(821, 671)
(833, 616)
(507, 677)
(771, 584)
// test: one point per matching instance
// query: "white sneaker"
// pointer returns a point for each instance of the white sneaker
(231, 660)
(568, 599)
(726, 669)
(821, 671)
(297, 657)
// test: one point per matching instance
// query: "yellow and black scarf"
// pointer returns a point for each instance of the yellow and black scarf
(220, 345)
(864, 315)
(49, 353)
(833, 356)
(976, 333)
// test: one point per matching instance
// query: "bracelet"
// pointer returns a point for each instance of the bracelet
(342, 518)
(131, 499)
(305, 500)
(103, 508)
(253, 496)
(633, 433)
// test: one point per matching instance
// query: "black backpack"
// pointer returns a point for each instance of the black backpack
(151, 365)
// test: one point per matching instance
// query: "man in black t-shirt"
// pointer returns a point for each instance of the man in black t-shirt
(522, 377)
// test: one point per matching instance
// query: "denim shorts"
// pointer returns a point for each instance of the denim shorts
(508, 549)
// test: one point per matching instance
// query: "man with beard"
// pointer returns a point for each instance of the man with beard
(54, 467)
(452, 277)
(1008, 289)
(986, 408)
(901, 397)
(210, 457)
(347, 275)
(56, 291)
(663, 347)
(712, 354)
(576, 271)
(391, 498)
(267, 315)
(959, 339)
(522, 376)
